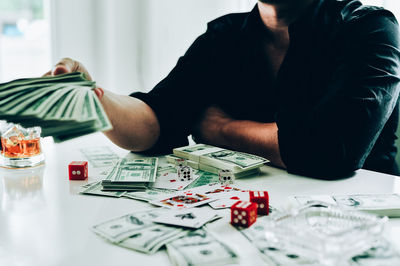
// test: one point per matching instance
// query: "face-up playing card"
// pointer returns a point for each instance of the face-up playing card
(229, 199)
(171, 181)
(192, 218)
(182, 200)
(218, 191)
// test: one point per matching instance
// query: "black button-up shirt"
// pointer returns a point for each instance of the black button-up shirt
(334, 98)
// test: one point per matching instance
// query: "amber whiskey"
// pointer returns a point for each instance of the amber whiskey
(15, 147)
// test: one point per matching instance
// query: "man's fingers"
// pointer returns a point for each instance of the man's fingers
(99, 92)
(66, 65)
(48, 73)
(60, 69)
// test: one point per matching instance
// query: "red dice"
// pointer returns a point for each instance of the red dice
(243, 213)
(262, 200)
(78, 170)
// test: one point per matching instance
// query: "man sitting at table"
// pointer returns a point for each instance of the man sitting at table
(312, 85)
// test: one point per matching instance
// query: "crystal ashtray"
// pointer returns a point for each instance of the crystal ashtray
(324, 232)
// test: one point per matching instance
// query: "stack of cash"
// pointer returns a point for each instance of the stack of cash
(212, 159)
(65, 106)
(171, 158)
(131, 174)
(200, 248)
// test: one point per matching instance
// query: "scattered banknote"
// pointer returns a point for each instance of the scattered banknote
(95, 188)
(382, 253)
(150, 239)
(380, 204)
(120, 228)
(189, 218)
(200, 248)
(149, 194)
(204, 179)
(101, 156)
(131, 174)
(64, 106)
(219, 158)
(137, 231)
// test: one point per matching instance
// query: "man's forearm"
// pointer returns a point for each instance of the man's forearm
(135, 125)
(252, 137)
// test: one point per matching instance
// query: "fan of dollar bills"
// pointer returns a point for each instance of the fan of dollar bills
(64, 106)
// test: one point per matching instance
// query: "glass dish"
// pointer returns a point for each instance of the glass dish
(325, 232)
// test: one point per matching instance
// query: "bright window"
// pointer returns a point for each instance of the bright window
(24, 39)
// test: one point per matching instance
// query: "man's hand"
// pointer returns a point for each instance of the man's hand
(135, 125)
(217, 128)
(210, 126)
(68, 65)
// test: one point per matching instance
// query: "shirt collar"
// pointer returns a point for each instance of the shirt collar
(253, 22)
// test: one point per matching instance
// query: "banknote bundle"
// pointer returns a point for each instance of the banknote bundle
(131, 174)
(64, 106)
(212, 159)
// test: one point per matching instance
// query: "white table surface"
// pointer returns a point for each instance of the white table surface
(44, 221)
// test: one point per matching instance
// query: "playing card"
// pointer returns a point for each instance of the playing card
(192, 218)
(218, 191)
(228, 199)
(171, 181)
(182, 200)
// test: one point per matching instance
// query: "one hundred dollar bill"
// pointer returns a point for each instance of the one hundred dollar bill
(136, 231)
(96, 189)
(149, 240)
(200, 248)
(148, 195)
(100, 156)
(380, 204)
(121, 228)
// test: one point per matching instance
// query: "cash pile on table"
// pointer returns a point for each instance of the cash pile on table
(131, 175)
(182, 225)
(64, 106)
(212, 159)
(140, 232)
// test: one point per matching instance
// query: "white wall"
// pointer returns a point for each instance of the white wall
(130, 45)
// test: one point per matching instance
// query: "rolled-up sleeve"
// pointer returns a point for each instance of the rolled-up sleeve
(179, 98)
(336, 135)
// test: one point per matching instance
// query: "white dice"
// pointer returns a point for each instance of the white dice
(226, 176)
(185, 173)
